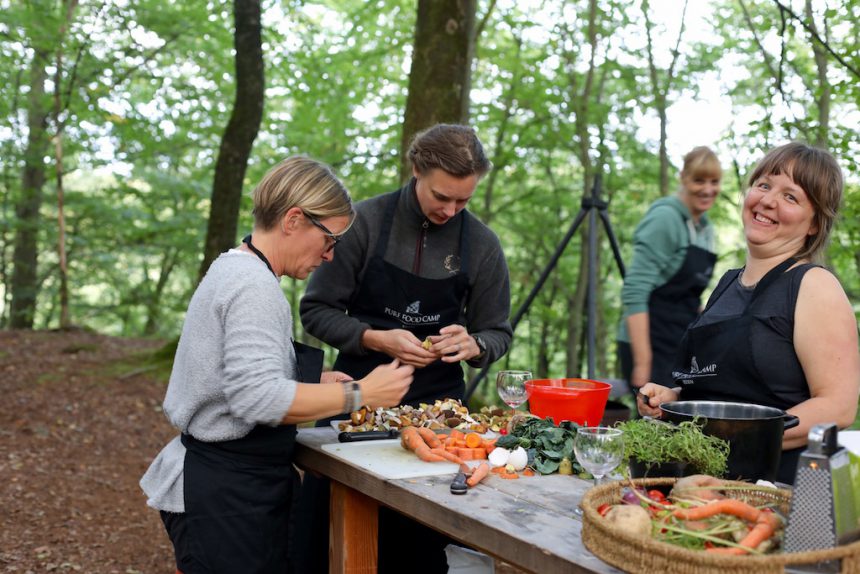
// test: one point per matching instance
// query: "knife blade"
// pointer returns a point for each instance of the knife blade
(367, 435)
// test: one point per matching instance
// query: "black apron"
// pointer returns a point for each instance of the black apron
(392, 298)
(716, 363)
(238, 493)
(673, 306)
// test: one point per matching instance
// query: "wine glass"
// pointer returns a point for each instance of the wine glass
(511, 386)
(599, 450)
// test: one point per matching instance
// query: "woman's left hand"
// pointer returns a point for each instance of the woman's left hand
(455, 344)
(334, 377)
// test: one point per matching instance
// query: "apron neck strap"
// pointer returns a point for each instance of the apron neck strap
(771, 276)
(247, 241)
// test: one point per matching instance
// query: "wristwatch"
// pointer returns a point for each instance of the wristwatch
(482, 347)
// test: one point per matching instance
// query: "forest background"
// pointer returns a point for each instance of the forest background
(133, 131)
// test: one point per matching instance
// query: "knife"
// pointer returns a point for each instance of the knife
(459, 486)
(367, 435)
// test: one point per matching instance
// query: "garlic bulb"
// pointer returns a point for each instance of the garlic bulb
(518, 458)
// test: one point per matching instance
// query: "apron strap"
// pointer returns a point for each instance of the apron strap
(464, 244)
(387, 222)
(769, 279)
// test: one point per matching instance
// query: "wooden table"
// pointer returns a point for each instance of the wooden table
(528, 523)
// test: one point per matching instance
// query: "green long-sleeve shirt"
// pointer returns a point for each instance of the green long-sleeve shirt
(659, 247)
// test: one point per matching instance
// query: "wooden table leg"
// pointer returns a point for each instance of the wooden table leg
(353, 531)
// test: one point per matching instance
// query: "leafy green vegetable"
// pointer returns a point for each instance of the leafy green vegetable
(658, 442)
(545, 443)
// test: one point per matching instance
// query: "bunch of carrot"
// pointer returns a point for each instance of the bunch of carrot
(430, 447)
(764, 522)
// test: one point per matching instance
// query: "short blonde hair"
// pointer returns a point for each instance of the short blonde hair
(302, 182)
(701, 161)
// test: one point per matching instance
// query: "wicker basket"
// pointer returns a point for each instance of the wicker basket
(638, 554)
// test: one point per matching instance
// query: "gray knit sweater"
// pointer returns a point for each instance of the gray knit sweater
(234, 368)
(333, 286)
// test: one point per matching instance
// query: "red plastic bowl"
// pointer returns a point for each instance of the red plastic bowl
(579, 400)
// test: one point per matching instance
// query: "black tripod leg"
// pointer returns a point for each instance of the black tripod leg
(473, 384)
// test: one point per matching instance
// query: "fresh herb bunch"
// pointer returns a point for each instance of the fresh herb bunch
(655, 442)
(545, 443)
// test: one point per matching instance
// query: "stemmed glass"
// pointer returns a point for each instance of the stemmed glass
(511, 386)
(599, 450)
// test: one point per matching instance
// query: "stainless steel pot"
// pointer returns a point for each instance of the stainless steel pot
(754, 433)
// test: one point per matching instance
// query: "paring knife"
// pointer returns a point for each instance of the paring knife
(368, 435)
(459, 486)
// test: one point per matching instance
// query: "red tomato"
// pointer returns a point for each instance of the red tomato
(503, 431)
(603, 509)
(657, 496)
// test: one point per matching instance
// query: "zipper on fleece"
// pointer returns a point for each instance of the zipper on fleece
(419, 248)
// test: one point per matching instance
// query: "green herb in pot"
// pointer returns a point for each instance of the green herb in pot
(655, 442)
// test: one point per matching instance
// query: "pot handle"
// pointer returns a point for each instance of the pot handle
(789, 421)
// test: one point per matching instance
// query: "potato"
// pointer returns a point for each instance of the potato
(632, 519)
(697, 487)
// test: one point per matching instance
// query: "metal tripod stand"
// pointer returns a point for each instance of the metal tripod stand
(591, 206)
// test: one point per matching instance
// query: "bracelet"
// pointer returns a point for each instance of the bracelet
(351, 397)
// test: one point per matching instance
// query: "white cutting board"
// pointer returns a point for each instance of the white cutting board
(387, 459)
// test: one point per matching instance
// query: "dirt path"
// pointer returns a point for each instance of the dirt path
(75, 437)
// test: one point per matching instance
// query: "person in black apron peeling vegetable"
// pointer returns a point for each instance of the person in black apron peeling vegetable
(779, 332)
(225, 486)
(416, 266)
(673, 260)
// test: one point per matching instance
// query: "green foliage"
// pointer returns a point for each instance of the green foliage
(147, 86)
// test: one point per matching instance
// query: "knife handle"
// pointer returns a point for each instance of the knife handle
(366, 435)
(459, 486)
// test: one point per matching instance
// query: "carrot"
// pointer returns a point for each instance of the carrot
(429, 437)
(446, 454)
(765, 525)
(730, 506)
(452, 449)
(425, 454)
(473, 440)
(528, 472)
(410, 439)
(465, 453)
(509, 475)
(490, 449)
(478, 474)
(498, 470)
(479, 453)
(457, 434)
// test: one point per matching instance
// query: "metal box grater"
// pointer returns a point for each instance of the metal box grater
(823, 512)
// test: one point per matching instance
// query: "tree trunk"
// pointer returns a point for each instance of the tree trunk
(440, 76)
(822, 134)
(239, 135)
(25, 284)
(59, 123)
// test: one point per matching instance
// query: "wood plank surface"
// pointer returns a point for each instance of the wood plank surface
(528, 522)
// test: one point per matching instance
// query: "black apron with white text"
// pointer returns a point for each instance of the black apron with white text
(673, 306)
(392, 298)
(716, 363)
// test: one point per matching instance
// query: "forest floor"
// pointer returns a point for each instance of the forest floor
(80, 422)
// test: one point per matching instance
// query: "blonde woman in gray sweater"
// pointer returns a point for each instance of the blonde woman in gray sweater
(240, 383)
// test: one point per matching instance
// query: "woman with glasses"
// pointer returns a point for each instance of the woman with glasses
(240, 384)
(673, 260)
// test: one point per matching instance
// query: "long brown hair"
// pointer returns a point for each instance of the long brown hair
(818, 174)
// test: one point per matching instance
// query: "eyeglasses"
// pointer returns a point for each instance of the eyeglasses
(335, 238)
